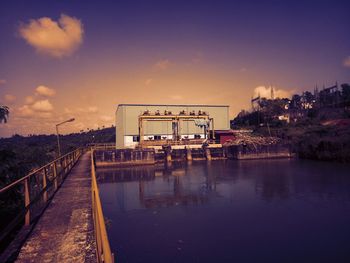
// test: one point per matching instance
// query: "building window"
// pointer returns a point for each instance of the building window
(157, 137)
(135, 138)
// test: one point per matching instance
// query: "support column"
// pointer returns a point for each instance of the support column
(207, 153)
(188, 154)
(27, 201)
(44, 185)
(167, 152)
(55, 175)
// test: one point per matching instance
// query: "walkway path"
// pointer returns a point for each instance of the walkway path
(65, 233)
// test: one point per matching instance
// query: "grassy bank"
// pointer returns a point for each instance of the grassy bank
(327, 142)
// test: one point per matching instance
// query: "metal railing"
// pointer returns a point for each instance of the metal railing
(102, 146)
(37, 188)
(104, 253)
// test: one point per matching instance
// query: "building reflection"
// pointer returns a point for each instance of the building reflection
(184, 184)
(157, 186)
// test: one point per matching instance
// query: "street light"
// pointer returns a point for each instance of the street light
(58, 136)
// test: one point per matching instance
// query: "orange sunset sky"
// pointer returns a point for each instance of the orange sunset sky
(81, 60)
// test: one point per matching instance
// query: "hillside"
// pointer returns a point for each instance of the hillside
(20, 154)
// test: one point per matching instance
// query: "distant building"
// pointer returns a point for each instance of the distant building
(128, 122)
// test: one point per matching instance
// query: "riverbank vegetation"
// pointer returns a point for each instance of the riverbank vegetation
(21, 154)
(316, 125)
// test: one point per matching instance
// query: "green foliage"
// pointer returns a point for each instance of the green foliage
(27, 153)
(346, 93)
(19, 155)
(325, 143)
(4, 113)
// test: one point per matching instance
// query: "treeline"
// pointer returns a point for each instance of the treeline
(329, 103)
(21, 154)
(317, 125)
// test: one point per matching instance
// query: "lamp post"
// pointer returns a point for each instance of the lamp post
(58, 136)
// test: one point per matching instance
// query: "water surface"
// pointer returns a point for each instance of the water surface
(229, 211)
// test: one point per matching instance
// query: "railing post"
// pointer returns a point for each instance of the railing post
(44, 186)
(27, 201)
(55, 175)
(69, 161)
(64, 166)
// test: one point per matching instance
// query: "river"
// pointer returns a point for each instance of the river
(229, 211)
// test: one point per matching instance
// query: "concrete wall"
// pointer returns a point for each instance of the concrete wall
(120, 127)
(127, 121)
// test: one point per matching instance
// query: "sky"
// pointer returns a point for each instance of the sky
(63, 59)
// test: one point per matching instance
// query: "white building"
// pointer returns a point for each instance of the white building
(127, 122)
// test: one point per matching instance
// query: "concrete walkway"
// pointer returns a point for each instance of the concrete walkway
(65, 233)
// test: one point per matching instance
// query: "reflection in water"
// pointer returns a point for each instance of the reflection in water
(170, 190)
(242, 210)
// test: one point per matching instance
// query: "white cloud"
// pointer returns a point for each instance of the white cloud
(176, 97)
(92, 109)
(67, 110)
(10, 98)
(25, 111)
(265, 92)
(162, 64)
(79, 125)
(346, 62)
(148, 82)
(56, 39)
(45, 91)
(29, 100)
(42, 105)
(44, 115)
(2, 81)
(106, 118)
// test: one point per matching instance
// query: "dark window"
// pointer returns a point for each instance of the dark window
(135, 138)
(157, 137)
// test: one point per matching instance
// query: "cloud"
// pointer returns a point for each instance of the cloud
(176, 97)
(45, 115)
(56, 39)
(25, 111)
(29, 100)
(79, 125)
(92, 109)
(346, 62)
(45, 91)
(67, 110)
(265, 92)
(106, 118)
(9, 98)
(162, 64)
(42, 106)
(148, 82)
(2, 81)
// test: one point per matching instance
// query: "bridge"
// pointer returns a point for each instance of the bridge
(61, 219)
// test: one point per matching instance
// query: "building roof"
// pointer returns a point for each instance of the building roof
(173, 105)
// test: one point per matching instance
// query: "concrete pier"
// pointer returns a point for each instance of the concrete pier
(189, 154)
(124, 157)
(207, 154)
(65, 231)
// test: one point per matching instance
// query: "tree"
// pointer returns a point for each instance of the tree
(309, 97)
(295, 102)
(346, 92)
(4, 113)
